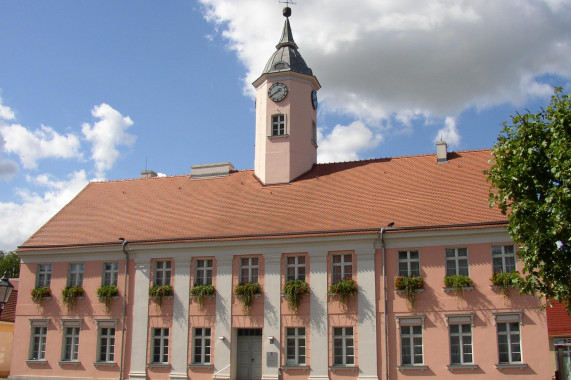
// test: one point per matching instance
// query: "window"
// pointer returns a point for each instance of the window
(203, 272)
(70, 347)
(295, 345)
(38, 339)
(503, 258)
(163, 271)
(409, 263)
(75, 276)
(44, 275)
(461, 343)
(411, 344)
(457, 261)
(342, 268)
(248, 269)
(314, 131)
(110, 274)
(343, 346)
(278, 125)
(202, 343)
(295, 267)
(106, 342)
(161, 345)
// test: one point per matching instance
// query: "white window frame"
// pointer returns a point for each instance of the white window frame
(44, 275)
(202, 341)
(295, 266)
(252, 266)
(343, 338)
(278, 124)
(75, 274)
(461, 344)
(106, 340)
(503, 256)
(71, 329)
(406, 325)
(160, 339)
(456, 258)
(295, 339)
(203, 271)
(110, 274)
(38, 339)
(409, 261)
(509, 320)
(163, 272)
(346, 267)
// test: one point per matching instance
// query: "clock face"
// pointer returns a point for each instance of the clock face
(314, 99)
(277, 92)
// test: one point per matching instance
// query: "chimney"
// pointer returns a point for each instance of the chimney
(148, 174)
(220, 169)
(441, 152)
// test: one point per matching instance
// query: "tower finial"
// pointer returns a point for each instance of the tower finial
(287, 9)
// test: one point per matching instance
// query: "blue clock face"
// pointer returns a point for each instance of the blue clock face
(314, 99)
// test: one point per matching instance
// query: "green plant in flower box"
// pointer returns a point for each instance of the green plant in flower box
(159, 292)
(39, 293)
(294, 291)
(344, 289)
(200, 291)
(246, 291)
(409, 284)
(70, 294)
(105, 293)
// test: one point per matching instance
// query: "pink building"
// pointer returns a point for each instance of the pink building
(368, 243)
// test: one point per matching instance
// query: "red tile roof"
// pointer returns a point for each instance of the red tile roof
(409, 191)
(558, 320)
(9, 312)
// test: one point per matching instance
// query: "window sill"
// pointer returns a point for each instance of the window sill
(403, 291)
(511, 365)
(104, 364)
(195, 297)
(335, 368)
(239, 296)
(295, 367)
(496, 288)
(35, 361)
(452, 367)
(164, 298)
(200, 365)
(69, 362)
(278, 137)
(412, 367)
(462, 289)
(158, 365)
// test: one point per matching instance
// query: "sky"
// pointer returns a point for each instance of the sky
(98, 91)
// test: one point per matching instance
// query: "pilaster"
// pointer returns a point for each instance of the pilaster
(179, 346)
(318, 316)
(272, 301)
(140, 320)
(367, 314)
(223, 329)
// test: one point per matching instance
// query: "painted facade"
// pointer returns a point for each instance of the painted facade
(348, 230)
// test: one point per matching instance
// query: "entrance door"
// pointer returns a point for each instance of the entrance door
(249, 354)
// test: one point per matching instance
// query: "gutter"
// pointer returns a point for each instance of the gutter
(386, 326)
(124, 246)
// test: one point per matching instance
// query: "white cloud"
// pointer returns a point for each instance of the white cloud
(5, 112)
(7, 167)
(449, 133)
(345, 142)
(42, 143)
(20, 220)
(106, 135)
(383, 61)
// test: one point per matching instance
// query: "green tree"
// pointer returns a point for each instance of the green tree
(9, 264)
(529, 176)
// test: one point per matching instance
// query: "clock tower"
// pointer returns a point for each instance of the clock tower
(286, 114)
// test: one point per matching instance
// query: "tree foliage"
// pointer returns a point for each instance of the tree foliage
(9, 264)
(530, 173)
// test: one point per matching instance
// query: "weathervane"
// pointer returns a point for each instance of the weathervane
(287, 2)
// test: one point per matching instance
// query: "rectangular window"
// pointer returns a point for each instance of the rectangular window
(70, 343)
(509, 347)
(411, 345)
(161, 345)
(295, 267)
(457, 261)
(278, 125)
(248, 269)
(75, 276)
(202, 342)
(163, 272)
(203, 272)
(38, 337)
(343, 346)
(409, 263)
(106, 344)
(110, 274)
(295, 345)
(44, 275)
(342, 267)
(461, 344)
(503, 258)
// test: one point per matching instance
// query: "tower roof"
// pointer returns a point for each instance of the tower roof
(286, 57)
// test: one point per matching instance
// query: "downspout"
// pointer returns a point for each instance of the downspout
(124, 246)
(385, 305)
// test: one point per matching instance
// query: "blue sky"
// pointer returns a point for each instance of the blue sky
(102, 90)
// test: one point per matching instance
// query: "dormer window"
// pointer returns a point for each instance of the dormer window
(278, 125)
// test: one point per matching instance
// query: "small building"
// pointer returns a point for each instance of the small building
(373, 269)
(7, 319)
